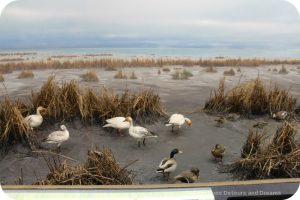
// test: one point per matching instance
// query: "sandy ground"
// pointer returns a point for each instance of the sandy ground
(182, 96)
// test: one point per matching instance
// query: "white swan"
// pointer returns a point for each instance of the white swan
(58, 137)
(168, 165)
(118, 123)
(178, 120)
(35, 120)
(138, 132)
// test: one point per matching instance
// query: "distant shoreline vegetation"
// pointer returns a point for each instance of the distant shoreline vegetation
(113, 62)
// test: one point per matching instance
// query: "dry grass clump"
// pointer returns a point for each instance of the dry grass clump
(250, 98)
(110, 68)
(184, 75)
(25, 74)
(101, 168)
(283, 70)
(211, 69)
(278, 159)
(13, 128)
(187, 73)
(275, 70)
(166, 69)
(120, 75)
(229, 72)
(1, 78)
(90, 76)
(133, 76)
(69, 101)
(106, 62)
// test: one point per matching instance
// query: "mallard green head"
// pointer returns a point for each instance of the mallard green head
(175, 151)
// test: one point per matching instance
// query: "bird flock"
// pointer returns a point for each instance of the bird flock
(140, 134)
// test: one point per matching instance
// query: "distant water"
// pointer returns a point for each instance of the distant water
(171, 52)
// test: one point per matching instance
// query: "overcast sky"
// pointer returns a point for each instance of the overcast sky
(150, 23)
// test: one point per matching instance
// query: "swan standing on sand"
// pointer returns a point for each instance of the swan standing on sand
(138, 132)
(118, 123)
(58, 137)
(168, 165)
(178, 120)
(35, 120)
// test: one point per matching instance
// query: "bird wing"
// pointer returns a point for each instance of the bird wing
(163, 161)
(177, 119)
(169, 163)
(143, 132)
(56, 136)
(115, 120)
(31, 118)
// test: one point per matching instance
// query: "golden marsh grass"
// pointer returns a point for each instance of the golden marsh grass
(90, 76)
(25, 74)
(250, 98)
(277, 159)
(101, 168)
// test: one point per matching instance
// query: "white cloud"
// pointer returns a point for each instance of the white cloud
(177, 20)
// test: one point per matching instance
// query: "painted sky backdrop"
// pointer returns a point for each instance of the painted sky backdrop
(150, 23)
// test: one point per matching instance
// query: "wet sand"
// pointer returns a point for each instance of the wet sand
(182, 96)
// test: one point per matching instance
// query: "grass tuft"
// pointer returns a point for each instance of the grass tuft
(69, 101)
(250, 98)
(25, 74)
(1, 78)
(133, 76)
(90, 76)
(211, 69)
(277, 159)
(283, 70)
(101, 168)
(13, 127)
(184, 75)
(166, 69)
(229, 72)
(120, 75)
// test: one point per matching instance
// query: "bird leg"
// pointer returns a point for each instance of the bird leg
(172, 128)
(139, 143)
(144, 141)
(168, 176)
(120, 132)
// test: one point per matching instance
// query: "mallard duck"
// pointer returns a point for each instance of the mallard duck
(58, 137)
(35, 120)
(188, 176)
(220, 121)
(260, 125)
(168, 165)
(281, 115)
(178, 120)
(218, 151)
(118, 123)
(232, 116)
(138, 132)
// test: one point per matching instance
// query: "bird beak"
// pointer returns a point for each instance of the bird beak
(180, 151)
